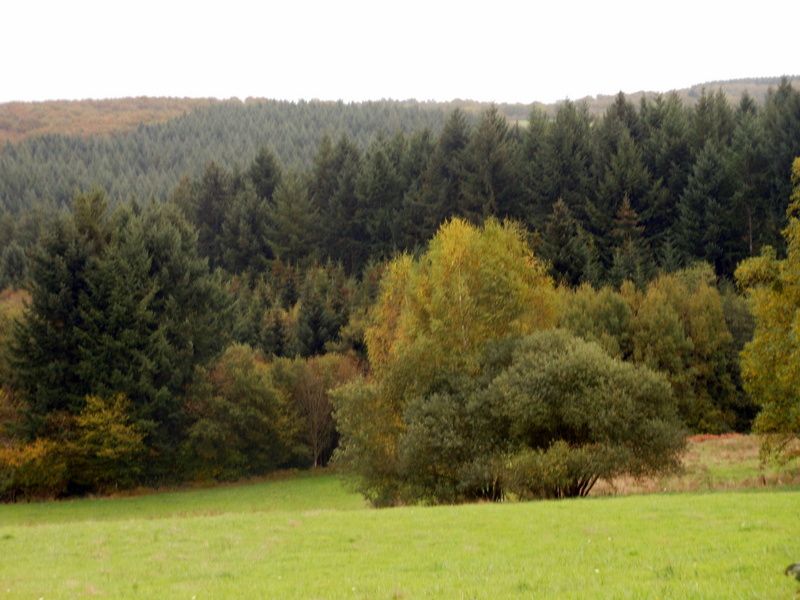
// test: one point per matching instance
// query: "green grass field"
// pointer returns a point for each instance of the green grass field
(307, 536)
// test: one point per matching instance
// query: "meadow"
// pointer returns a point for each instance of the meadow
(309, 536)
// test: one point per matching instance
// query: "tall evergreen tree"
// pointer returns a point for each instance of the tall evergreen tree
(781, 120)
(294, 221)
(380, 191)
(568, 171)
(206, 202)
(244, 239)
(441, 193)
(748, 166)
(631, 259)
(535, 168)
(493, 182)
(152, 312)
(265, 173)
(627, 177)
(46, 347)
(713, 120)
(13, 266)
(666, 146)
(344, 234)
(565, 246)
(704, 225)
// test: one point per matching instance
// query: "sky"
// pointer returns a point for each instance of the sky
(495, 50)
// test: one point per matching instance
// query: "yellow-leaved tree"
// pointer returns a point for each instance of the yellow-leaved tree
(771, 361)
(428, 333)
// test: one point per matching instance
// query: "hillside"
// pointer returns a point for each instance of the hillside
(734, 89)
(22, 120)
(149, 161)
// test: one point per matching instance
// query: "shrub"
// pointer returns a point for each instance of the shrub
(241, 424)
(36, 470)
(107, 449)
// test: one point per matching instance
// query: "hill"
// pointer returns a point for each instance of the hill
(22, 120)
(733, 89)
(149, 161)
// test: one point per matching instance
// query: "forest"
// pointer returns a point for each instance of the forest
(398, 289)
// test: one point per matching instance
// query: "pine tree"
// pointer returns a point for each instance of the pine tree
(564, 245)
(46, 350)
(626, 176)
(245, 236)
(379, 190)
(152, 312)
(13, 266)
(781, 122)
(294, 221)
(206, 203)
(440, 195)
(669, 256)
(666, 147)
(713, 120)
(703, 228)
(265, 174)
(631, 259)
(568, 169)
(492, 183)
(344, 236)
(534, 168)
(747, 164)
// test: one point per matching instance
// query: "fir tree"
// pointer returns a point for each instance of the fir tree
(265, 174)
(564, 245)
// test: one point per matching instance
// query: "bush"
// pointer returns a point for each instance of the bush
(241, 424)
(107, 449)
(560, 471)
(615, 418)
(37, 470)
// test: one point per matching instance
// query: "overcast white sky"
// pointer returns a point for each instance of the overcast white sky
(351, 50)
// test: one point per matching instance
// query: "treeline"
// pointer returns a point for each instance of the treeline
(130, 362)
(642, 190)
(135, 363)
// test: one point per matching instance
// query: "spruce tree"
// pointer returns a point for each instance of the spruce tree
(534, 168)
(631, 257)
(704, 228)
(492, 182)
(565, 246)
(666, 147)
(245, 237)
(152, 313)
(13, 266)
(781, 121)
(265, 174)
(568, 164)
(294, 221)
(379, 191)
(46, 349)
(712, 120)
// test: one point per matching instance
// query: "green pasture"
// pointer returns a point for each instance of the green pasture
(308, 536)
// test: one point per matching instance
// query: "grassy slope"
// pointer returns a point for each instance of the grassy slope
(724, 462)
(307, 537)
